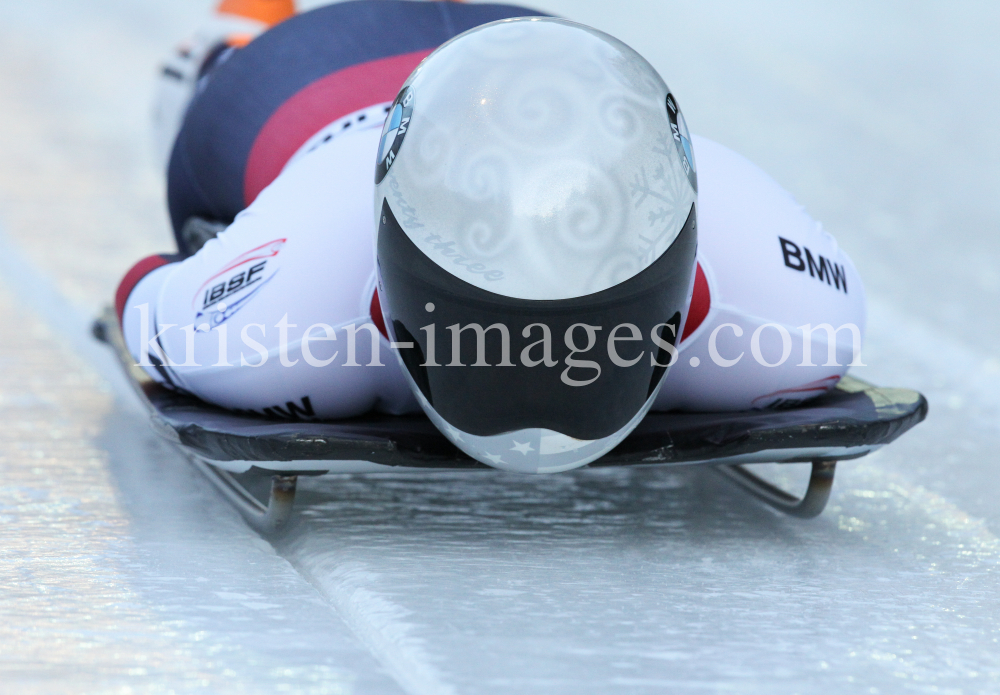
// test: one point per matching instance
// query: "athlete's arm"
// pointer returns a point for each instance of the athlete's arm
(766, 269)
(228, 323)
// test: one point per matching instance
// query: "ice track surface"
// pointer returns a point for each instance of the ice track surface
(123, 572)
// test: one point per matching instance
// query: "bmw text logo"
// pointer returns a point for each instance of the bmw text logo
(682, 139)
(393, 133)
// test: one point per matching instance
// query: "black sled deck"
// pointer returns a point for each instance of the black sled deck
(850, 421)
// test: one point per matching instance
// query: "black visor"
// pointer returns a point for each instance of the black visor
(594, 386)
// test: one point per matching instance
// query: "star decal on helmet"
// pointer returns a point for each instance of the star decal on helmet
(522, 448)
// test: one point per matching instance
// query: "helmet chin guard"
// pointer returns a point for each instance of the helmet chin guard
(536, 214)
(532, 449)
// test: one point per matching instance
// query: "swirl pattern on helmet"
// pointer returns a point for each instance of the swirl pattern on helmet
(541, 150)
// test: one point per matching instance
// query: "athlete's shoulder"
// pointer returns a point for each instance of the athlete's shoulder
(445, 11)
(367, 30)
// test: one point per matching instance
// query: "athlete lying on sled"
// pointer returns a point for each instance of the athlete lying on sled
(537, 210)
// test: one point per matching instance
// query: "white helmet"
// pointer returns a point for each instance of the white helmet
(535, 203)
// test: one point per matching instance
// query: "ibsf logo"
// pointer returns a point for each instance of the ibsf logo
(682, 139)
(396, 125)
(235, 284)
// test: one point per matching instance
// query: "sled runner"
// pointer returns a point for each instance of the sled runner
(238, 450)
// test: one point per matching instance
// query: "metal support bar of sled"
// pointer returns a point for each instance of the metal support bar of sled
(266, 520)
(810, 505)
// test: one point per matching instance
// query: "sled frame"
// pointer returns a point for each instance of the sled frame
(268, 520)
(272, 518)
(809, 506)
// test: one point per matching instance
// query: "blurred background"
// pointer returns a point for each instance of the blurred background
(120, 571)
